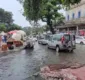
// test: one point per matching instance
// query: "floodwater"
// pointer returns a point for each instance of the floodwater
(22, 65)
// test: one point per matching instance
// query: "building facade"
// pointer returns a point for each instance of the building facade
(76, 12)
(75, 18)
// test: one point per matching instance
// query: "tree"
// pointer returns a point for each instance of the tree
(47, 10)
(45, 28)
(2, 27)
(8, 18)
(28, 30)
(14, 27)
(5, 17)
(59, 21)
(37, 30)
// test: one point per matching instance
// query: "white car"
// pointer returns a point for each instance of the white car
(80, 39)
(43, 41)
(34, 39)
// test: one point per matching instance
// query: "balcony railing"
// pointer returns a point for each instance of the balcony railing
(76, 21)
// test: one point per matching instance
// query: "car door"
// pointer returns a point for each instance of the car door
(78, 39)
(50, 41)
(56, 40)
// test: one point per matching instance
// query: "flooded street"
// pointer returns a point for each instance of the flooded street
(23, 64)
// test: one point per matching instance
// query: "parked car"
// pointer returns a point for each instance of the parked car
(80, 39)
(62, 41)
(43, 39)
(33, 38)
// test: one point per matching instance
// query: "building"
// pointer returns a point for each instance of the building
(75, 18)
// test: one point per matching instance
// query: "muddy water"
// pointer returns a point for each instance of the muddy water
(23, 64)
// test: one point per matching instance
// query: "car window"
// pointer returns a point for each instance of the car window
(47, 37)
(67, 37)
(78, 37)
(50, 39)
(54, 38)
(57, 37)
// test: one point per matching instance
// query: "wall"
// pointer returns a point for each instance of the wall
(76, 9)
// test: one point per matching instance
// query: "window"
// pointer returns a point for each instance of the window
(57, 37)
(54, 38)
(68, 17)
(79, 14)
(78, 37)
(67, 37)
(73, 16)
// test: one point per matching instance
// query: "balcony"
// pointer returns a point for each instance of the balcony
(76, 21)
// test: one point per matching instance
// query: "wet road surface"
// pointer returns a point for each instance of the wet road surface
(23, 64)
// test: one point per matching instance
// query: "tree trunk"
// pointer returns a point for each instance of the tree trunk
(51, 29)
(49, 23)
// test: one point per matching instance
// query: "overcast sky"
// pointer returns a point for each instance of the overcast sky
(15, 7)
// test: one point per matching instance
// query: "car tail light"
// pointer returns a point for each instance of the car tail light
(62, 39)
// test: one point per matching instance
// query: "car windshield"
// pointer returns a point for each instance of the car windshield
(67, 37)
(57, 37)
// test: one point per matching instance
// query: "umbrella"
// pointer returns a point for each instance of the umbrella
(12, 32)
(21, 32)
(3, 33)
(16, 36)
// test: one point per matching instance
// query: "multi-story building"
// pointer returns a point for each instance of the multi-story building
(75, 18)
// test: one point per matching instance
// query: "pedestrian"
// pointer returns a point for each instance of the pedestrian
(5, 38)
(2, 38)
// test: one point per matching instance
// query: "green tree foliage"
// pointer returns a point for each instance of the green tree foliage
(47, 10)
(2, 27)
(8, 18)
(14, 27)
(5, 17)
(33, 30)
(45, 28)
(28, 30)
(37, 30)
(6, 21)
(67, 3)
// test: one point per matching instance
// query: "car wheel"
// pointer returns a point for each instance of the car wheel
(39, 42)
(48, 46)
(81, 43)
(32, 47)
(70, 49)
(57, 49)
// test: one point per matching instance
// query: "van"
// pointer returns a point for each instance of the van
(62, 41)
